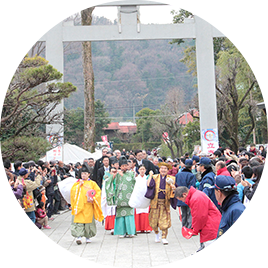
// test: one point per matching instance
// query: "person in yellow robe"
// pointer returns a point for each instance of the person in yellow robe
(86, 207)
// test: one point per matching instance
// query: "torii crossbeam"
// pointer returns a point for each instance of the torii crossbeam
(130, 28)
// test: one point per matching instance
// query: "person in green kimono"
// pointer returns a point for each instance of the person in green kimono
(119, 187)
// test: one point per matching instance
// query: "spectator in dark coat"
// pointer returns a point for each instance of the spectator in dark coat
(49, 183)
(249, 189)
(101, 170)
(207, 179)
(231, 206)
(148, 164)
(98, 164)
(188, 179)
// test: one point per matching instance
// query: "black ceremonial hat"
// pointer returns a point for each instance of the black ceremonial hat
(123, 161)
(85, 168)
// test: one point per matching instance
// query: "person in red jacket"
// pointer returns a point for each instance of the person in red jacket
(205, 215)
(222, 169)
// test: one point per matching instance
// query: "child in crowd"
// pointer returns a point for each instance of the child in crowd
(41, 216)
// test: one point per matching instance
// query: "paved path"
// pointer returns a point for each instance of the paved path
(140, 251)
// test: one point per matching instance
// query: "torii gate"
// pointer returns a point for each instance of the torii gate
(130, 28)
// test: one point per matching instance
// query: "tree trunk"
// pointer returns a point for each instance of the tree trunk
(89, 110)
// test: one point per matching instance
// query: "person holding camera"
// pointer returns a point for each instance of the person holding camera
(230, 204)
(30, 186)
(15, 185)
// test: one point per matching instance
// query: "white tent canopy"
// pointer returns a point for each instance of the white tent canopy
(72, 154)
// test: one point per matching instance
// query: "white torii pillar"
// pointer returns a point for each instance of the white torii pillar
(55, 56)
(129, 28)
(206, 86)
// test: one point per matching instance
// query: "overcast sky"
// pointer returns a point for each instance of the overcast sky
(149, 14)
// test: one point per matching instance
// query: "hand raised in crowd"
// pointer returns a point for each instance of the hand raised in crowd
(120, 172)
(245, 183)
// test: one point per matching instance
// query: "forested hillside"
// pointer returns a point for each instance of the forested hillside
(128, 73)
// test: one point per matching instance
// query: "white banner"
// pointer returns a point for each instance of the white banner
(210, 140)
(55, 154)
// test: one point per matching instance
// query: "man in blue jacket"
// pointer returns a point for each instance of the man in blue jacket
(231, 206)
(207, 179)
(188, 179)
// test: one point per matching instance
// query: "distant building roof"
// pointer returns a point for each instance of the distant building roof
(123, 127)
(187, 117)
(112, 126)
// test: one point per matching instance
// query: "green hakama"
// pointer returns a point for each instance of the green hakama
(118, 192)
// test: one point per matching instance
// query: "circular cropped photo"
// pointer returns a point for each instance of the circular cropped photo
(132, 139)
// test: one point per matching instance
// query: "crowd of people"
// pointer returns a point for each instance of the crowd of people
(210, 191)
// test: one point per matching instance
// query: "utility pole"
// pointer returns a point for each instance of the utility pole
(134, 114)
